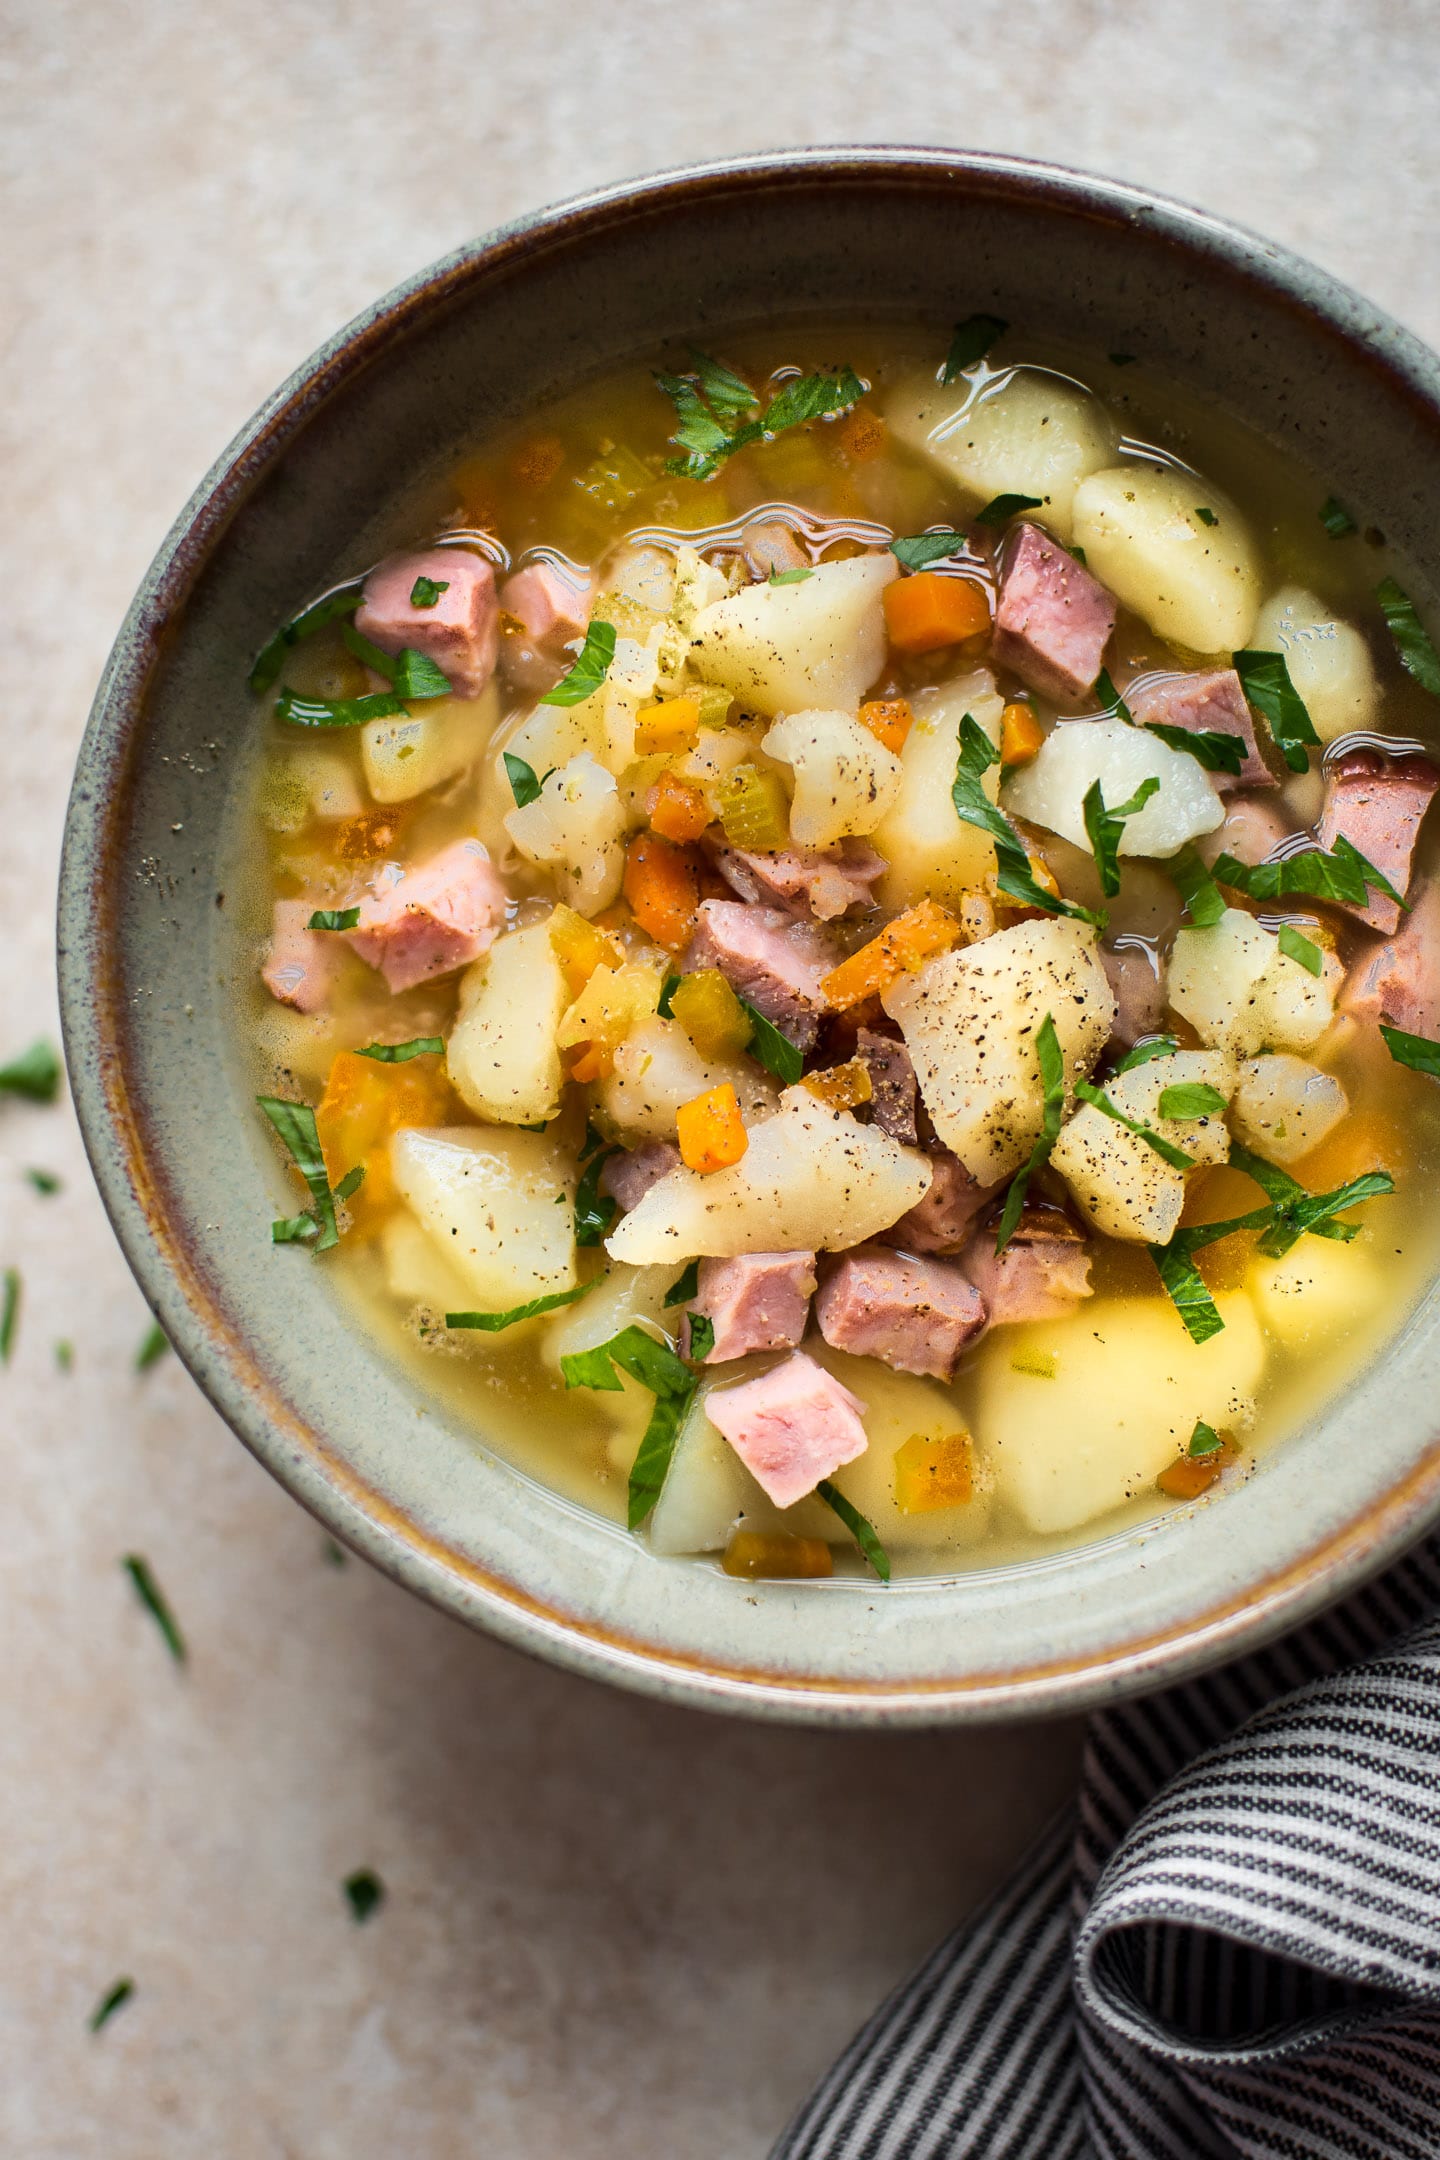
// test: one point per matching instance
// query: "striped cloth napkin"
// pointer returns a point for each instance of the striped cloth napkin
(1229, 1947)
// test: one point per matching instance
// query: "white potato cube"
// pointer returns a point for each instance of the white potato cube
(1051, 790)
(404, 758)
(932, 854)
(845, 780)
(624, 1297)
(1026, 432)
(1318, 1293)
(502, 1055)
(1118, 1181)
(811, 1179)
(613, 1001)
(499, 1204)
(783, 648)
(416, 1271)
(1081, 1414)
(899, 1407)
(1240, 993)
(1285, 1106)
(1197, 583)
(1328, 660)
(969, 1020)
(657, 1068)
(575, 828)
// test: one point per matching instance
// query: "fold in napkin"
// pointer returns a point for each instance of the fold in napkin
(1230, 1946)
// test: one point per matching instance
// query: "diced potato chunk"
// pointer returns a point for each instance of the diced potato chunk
(625, 1296)
(575, 828)
(612, 1004)
(1050, 791)
(1128, 1385)
(969, 1020)
(1241, 993)
(502, 1055)
(898, 1407)
(1285, 1106)
(784, 648)
(1027, 432)
(1320, 1292)
(657, 1068)
(303, 784)
(933, 854)
(405, 758)
(1197, 583)
(1119, 1182)
(416, 1271)
(1328, 659)
(845, 781)
(811, 1179)
(499, 1204)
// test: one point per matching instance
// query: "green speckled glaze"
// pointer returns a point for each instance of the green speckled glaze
(146, 973)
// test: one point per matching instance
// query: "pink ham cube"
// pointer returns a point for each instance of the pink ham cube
(1211, 701)
(427, 921)
(792, 1427)
(1378, 804)
(302, 964)
(755, 1301)
(460, 631)
(916, 1315)
(550, 611)
(1053, 620)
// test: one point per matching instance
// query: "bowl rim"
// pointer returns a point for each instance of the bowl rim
(174, 1282)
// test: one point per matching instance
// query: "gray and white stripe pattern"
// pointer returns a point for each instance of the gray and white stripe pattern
(1228, 1950)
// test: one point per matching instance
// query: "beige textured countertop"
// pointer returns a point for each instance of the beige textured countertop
(611, 1929)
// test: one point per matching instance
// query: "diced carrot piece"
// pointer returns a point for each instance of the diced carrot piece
(862, 434)
(711, 1130)
(368, 837)
(678, 810)
(930, 609)
(364, 1105)
(672, 725)
(840, 1087)
(1020, 734)
(902, 945)
(710, 1013)
(663, 890)
(889, 721)
(932, 1473)
(581, 947)
(1192, 1475)
(590, 1061)
(536, 462)
(776, 1556)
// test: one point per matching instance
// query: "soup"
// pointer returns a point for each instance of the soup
(846, 947)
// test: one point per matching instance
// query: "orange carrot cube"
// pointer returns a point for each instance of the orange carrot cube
(929, 610)
(672, 725)
(934, 1473)
(1020, 734)
(678, 810)
(662, 886)
(901, 947)
(711, 1130)
(889, 721)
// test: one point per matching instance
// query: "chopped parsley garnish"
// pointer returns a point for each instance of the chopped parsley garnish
(1343, 875)
(1202, 898)
(1192, 1099)
(492, 1323)
(685, 1286)
(860, 1529)
(1052, 1075)
(1412, 641)
(1104, 828)
(1265, 679)
(974, 807)
(711, 401)
(1206, 517)
(152, 1347)
(9, 1312)
(426, 591)
(64, 1355)
(43, 1181)
(525, 782)
(1213, 748)
(334, 1555)
(920, 549)
(1296, 946)
(410, 674)
(1204, 1440)
(401, 1053)
(1165, 1149)
(589, 671)
(337, 712)
(364, 1893)
(669, 1380)
(1001, 508)
(295, 1123)
(113, 1999)
(1185, 1286)
(789, 577)
(1336, 518)
(702, 1337)
(35, 1074)
(594, 1211)
(1079, 554)
(334, 918)
(1416, 1051)
(970, 341)
(1144, 1052)
(671, 984)
(335, 607)
(151, 1597)
(772, 1048)
(1110, 698)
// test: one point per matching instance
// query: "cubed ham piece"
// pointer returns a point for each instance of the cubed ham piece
(791, 1427)
(627, 1177)
(460, 633)
(1043, 1273)
(1254, 827)
(1378, 804)
(550, 610)
(801, 880)
(301, 966)
(892, 1083)
(940, 1223)
(427, 921)
(757, 1301)
(1053, 620)
(916, 1315)
(1211, 701)
(1139, 996)
(775, 962)
(1399, 980)
(770, 546)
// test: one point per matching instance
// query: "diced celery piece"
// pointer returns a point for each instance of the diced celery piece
(752, 807)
